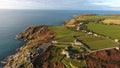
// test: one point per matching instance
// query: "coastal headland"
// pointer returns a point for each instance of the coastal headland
(86, 41)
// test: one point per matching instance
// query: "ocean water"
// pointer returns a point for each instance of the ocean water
(14, 21)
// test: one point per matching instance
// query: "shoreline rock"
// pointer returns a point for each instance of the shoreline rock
(33, 36)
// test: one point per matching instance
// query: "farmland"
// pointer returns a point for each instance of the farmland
(112, 31)
(65, 35)
(112, 21)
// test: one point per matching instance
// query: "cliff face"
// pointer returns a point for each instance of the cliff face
(35, 38)
(71, 23)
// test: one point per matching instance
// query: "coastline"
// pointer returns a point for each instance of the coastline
(35, 37)
(28, 39)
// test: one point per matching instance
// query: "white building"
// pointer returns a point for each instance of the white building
(81, 23)
(90, 33)
(117, 48)
(116, 40)
(54, 42)
(95, 35)
(76, 42)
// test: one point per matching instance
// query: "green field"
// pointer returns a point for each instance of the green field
(91, 18)
(112, 31)
(56, 56)
(94, 18)
(65, 35)
(72, 63)
(111, 17)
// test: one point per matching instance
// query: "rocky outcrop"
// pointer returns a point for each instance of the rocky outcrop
(34, 36)
(71, 23)
(74, 22)
(41, 33)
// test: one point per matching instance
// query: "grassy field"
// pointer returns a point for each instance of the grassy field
(112, 21)
(56, 56)
(97, 42)
(65, 35)
(96, 18)
(112, 31)
(72, 63)
(91, 18)
(111, 17)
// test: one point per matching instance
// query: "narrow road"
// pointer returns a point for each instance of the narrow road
(100, 50)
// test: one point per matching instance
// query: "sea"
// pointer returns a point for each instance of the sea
(14, 21)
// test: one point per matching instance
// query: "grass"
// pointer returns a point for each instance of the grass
(56, 55)
(80, 64)
(97, 42)
(91, 18)
(72, 63)
(66, 62)
(65, 35)
(112, 21)
(74, 49)
(112, 31)
(111, 17)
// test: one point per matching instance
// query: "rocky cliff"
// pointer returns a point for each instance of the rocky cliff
(36, 51)
(41, 33)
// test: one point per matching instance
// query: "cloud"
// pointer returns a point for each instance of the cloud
(108, 3)
(114, 4)
(60, 4)
(21, 4)
(41, 4)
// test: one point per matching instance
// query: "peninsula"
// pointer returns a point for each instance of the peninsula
(86, 41)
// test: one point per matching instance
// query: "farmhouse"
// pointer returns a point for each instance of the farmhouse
(43, 47)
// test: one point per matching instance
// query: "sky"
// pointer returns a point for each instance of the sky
(61, 4)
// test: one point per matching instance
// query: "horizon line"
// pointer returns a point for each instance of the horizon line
(65, 9)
